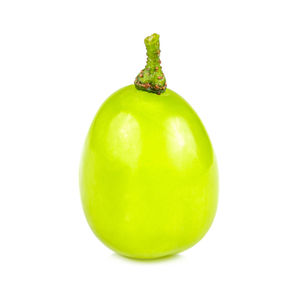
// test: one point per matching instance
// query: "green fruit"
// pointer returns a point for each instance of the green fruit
(148, 174)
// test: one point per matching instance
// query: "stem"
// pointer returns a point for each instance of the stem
(151, 78)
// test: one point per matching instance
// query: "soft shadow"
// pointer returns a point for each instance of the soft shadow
(170, 258)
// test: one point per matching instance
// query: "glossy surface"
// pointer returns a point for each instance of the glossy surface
(148, 174)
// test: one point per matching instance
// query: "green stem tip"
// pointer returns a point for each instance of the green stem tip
(152, 78)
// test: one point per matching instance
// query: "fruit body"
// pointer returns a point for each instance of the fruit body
(148, 175)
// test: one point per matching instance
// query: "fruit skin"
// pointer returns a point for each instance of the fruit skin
(148, 174)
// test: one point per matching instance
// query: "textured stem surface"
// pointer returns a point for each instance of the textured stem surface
(151, 78)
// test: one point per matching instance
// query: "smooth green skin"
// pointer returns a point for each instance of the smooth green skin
(148, 175)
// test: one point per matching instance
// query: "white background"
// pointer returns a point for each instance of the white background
(236, 62)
